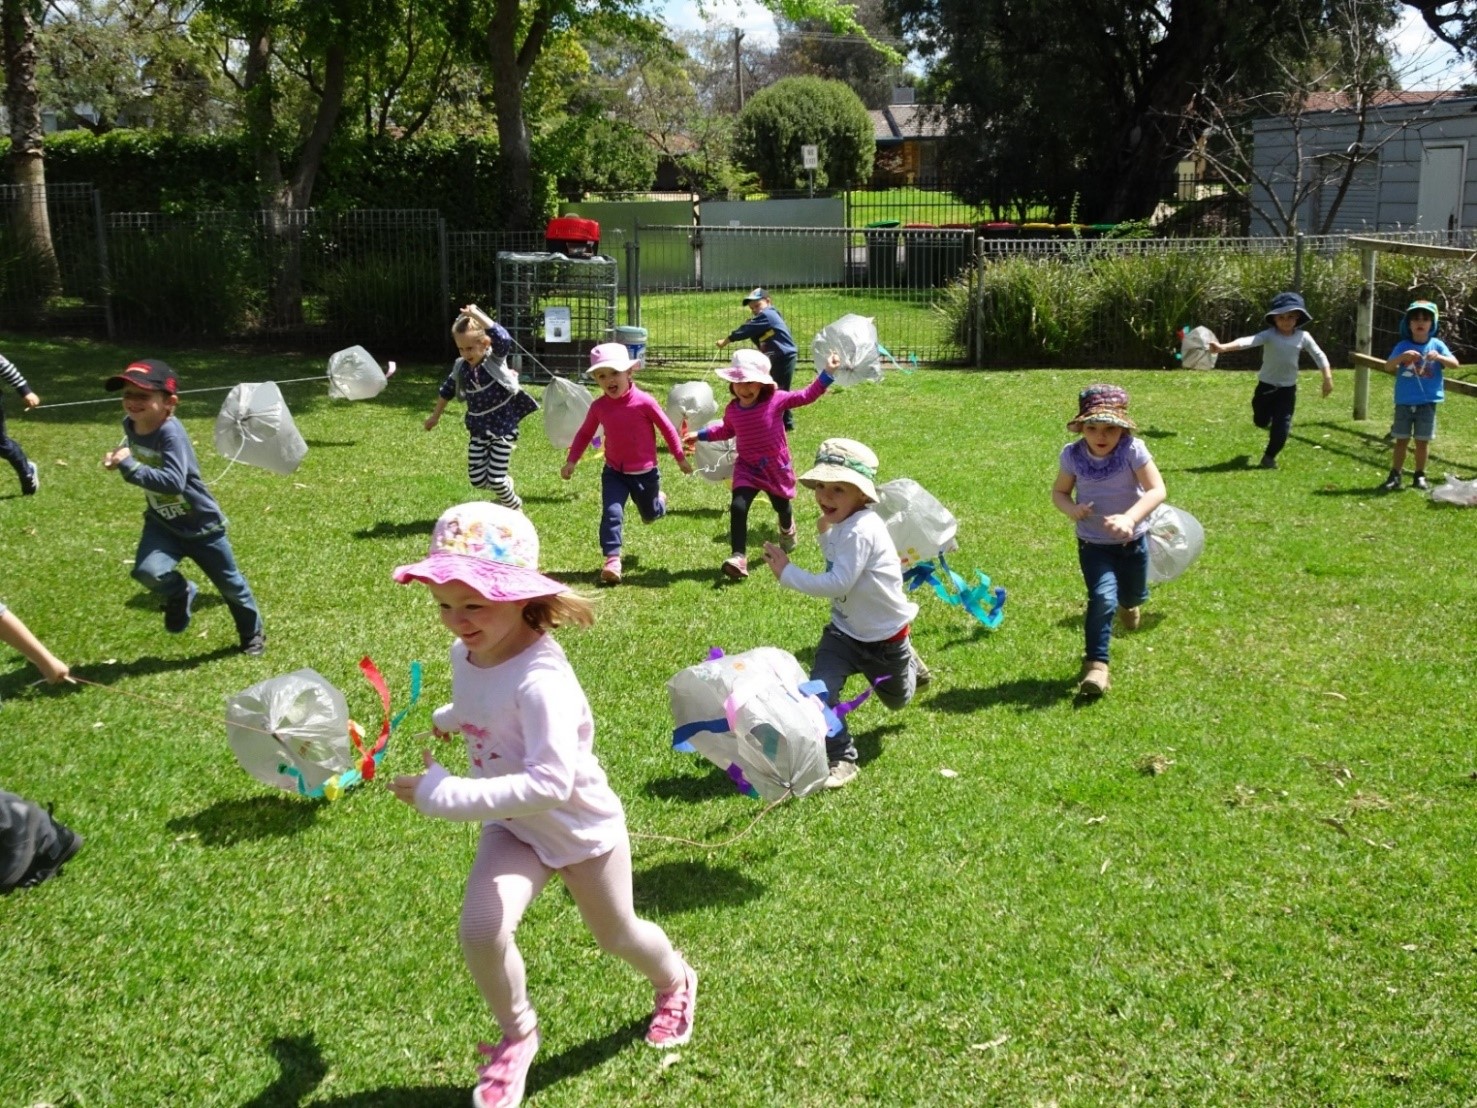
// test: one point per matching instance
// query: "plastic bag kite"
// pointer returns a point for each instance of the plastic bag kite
(1175, 540)
(756, 717)
(565, 405)
(923, 531)
(1194, 348)
(353, 374)
(1456, 491)
(713, 461)
(691, 404)
(255, 427)
(294, 732)
(854, 338)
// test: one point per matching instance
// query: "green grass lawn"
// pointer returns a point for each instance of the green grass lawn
(1283, 915)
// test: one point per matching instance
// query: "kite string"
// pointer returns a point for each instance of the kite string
(182, 392)
(726, 842)
(172, 707)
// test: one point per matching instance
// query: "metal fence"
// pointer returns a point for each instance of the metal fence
(35, 293)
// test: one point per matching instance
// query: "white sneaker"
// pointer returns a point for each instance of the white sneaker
(842, 774)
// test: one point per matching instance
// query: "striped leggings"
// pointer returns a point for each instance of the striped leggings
(487, 467)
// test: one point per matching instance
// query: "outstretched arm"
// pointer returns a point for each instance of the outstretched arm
(16, 634)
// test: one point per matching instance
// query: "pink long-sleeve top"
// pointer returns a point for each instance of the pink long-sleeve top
(762, 458)
(532, 766)
(628, 420)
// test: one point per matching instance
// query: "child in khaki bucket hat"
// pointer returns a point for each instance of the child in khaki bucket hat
(870, 614)
(1108, 483)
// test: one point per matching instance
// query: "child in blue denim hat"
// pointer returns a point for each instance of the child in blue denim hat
(1116, 486)
(1417, 362)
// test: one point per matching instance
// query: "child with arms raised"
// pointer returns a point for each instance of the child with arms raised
(496, 403)
(1117, 485)
(629, 416)
(767, 329)
(863, 579)
(1417, 362)
(534, 783)
(754, 420)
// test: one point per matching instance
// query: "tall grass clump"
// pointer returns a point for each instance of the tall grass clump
(185, 280)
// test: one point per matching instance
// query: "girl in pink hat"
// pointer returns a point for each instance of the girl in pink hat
(533, 782)
(754, 419)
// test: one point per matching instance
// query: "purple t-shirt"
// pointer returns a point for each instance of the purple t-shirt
(1109, 484)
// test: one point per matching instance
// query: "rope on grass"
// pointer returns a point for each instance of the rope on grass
(726, 842)
(166, 704)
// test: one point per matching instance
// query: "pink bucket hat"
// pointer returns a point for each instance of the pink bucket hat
(747, 366)
(611, 355)
(486, 547)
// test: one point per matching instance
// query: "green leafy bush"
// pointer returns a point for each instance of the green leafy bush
(806, 111)
(186, 279)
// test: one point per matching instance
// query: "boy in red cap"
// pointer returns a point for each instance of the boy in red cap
(181, 518)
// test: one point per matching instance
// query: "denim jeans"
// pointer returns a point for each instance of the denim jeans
(11, 451)
(160, 551)
(615, 487)
(1115, 573)
(1271, 409)
(838, 656)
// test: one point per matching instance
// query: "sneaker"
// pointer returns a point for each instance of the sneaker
(1267, 462)
(610, 573)
(31, 481)
(842, 773)
(44, 868)
(671, 1023)
(1419, 482)
(787, 539)
(922, 675)
(1094, 679)
(501, 1081)
(1131, 618)
(254, 644)
(736, 567)
(177, 609)
(1392, 482)
(661, 508)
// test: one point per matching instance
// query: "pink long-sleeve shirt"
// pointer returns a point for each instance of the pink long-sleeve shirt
(628, 421)
(532, 766)
(762, 449)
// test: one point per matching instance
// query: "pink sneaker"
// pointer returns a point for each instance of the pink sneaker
(736, 567)
(671, 1023)
(500, 1083)
(611, 573)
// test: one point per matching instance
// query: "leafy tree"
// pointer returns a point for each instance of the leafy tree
(1454, 22)
(808, 47)
(800, 111)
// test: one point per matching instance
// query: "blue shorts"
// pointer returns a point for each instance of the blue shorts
(1416, 421)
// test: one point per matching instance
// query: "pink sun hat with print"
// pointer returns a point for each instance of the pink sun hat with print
(747, 367)
(611, 355)
(486, 547)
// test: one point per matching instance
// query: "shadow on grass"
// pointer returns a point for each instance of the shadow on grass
(869, 743)
(1026, 694)
(583, 1056)
(683, 886)
(1376, 450)
(1230, 465)
(692, 788)
(303, 1070)
(109, 673)
(1155, 433)
(384, 529)
(228, 822)
(328, 444)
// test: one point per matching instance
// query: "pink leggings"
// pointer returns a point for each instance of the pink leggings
(505, 878)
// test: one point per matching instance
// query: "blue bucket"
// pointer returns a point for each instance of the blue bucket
(634, 339)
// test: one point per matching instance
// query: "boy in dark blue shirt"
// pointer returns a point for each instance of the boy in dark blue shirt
(772, 336)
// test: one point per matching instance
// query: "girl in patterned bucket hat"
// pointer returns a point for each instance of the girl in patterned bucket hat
(534, 783)
(1108, 484)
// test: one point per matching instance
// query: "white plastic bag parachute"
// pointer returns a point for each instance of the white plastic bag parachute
(1194, 348)
(854, 339)
(691, 404)
(746, 714)
(353, 374)
(1175, 540)
(565, 405)
(291, 732)
(255, 427)
(1456, 491)
(713, 461)
(921, 527)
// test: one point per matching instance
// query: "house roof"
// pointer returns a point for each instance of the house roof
(897, 122)
(1342, 101)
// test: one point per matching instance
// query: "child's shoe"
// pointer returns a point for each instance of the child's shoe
(671, 1023)
(177, 609)
(787, 539)
(1419, 481)
(610, 573)
(736, 567)
(1392, 482)
(1267, 462)
(922, 675)
(1131, 617)
(254, 644)
(842, 773)
(661, 508)
(46, 866)
(501, 1082)
(31, 481)
(1094, 679)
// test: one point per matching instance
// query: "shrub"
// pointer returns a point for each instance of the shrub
(186, 280)
(806, 111)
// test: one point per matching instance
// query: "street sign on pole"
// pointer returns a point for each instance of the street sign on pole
(810, 157)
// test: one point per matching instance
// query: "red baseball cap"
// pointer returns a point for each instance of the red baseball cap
(146, 373)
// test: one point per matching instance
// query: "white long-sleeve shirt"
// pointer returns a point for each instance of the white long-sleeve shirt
(1280, 354)
(863, 579)
(529, 735)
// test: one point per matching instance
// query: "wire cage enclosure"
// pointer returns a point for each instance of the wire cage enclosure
(557, 309)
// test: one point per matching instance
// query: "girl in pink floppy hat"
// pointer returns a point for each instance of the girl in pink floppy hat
(534, 783)
(1116, 486)
(754, 419)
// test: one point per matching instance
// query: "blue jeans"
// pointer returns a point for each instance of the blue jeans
(160, 551)
(11, 451)
(615, 488)
(1116, 573)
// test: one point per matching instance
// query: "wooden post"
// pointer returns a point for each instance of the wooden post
(1364, 331)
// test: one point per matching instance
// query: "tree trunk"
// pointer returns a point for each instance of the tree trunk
(510, 65)
(27, 161)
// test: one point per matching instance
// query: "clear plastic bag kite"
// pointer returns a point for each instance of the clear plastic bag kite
(1175, 540)
(1456, 491)
(923, 531)
(713, 461)
(756, 717)
(294, 733)
(255, 427)
(854, 339)
(353, 374)
(565, 405)
(691, 404)
(1195, 348)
